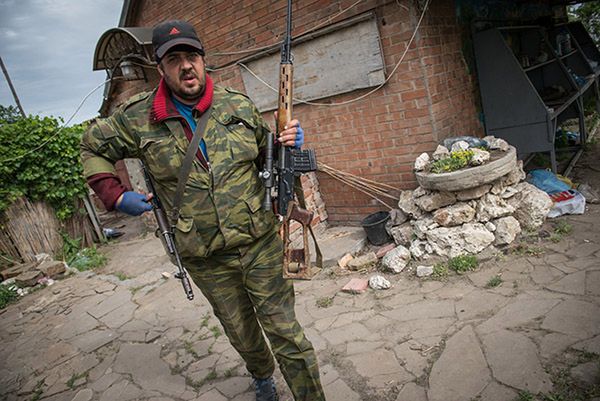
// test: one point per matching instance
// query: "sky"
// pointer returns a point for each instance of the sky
(48, 46)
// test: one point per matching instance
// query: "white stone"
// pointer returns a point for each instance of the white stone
(459, 146)
(396, 259)
(166, 275)
(378, 282)
(421, 162)
(417, 249)
(454, 215)
(496, 143)
(532, 205)
(402, 234)
(473, 193)
(492, 207)
(516, 175)
(407, 204)
(480, 156)
(454, 241)
(435, 200)
(424, 271)
(422, 225)
(508, 192)
(507, 229)
(490, 226)
(441, 152)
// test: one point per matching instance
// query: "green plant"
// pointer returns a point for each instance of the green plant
(74, 378)
(121, 276)
(524, 396)
(87, 259)
(456, 161)
(39, 162)
(8, 294)
(563, 227)
(324, 302)
(216, 331)
(463, 263)
(494, 282)
(440, 271)
(189, 347)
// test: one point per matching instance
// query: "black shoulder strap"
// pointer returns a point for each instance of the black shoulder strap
(186, 166)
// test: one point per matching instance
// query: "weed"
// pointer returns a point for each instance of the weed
(8, 294)
(440, 271)
(87, 259)
(37, 394)
(205, 319)
(494, 282)
(524, 249)
(189, 347)
(216, 331)
(524, 396)
(121, 276)
(563, 227)
(74, 378)
(324, 302)
(556, 238)
(230, 372)
(463, 263)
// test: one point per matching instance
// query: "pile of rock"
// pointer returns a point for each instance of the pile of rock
(43, 271)
(466, 212)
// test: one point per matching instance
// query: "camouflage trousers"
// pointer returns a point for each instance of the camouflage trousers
(246, 289)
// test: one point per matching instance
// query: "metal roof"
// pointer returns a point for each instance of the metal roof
(117, 43)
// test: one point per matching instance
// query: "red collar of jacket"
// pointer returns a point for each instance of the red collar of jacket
(163, 107)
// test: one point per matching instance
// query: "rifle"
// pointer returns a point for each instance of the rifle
(291, 163)
(165, 233)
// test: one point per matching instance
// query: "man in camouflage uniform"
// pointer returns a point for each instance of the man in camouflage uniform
(229, 245)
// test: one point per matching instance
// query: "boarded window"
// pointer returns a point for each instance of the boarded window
(339, 61)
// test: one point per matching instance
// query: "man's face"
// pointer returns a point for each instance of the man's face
(184, 74)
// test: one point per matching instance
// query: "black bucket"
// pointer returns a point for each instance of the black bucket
(374, 226)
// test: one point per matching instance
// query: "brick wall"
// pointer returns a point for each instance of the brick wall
(430, 96)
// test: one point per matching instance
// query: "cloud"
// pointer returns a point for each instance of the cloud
(48, 48)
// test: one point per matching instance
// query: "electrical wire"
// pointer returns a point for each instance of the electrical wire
(363, 95)
(257, 49)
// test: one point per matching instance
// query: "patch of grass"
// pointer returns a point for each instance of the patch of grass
(230, 372)
(526, 250)
(74, 378)
(440, 271)
(494, 282)
(216, 331)
(8, 294)
(524, 396)
(324, 302)
(189, 348)
(196, 384)
(87, 259)
(463, 263)
(205, 319)
(122, 276)
(563, 227)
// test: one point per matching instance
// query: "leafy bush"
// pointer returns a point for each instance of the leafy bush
(456, 161)
(40, 161)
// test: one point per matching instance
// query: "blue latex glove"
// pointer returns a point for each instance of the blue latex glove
(299, 137)
(133, 203)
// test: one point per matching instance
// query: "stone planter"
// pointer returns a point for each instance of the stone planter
(500, 164)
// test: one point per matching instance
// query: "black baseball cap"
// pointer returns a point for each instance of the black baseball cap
(168, 34)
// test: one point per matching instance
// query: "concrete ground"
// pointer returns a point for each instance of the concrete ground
(126, 333)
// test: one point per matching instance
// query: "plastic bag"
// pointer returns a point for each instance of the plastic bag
(567, 202)
(546, 181)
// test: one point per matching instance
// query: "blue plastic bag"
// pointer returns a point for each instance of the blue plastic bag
(547, 181)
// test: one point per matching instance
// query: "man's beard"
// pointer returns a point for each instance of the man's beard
(186, 93)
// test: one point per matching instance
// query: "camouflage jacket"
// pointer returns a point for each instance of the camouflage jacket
(221, 206)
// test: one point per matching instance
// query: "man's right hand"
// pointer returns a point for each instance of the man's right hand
(133, 203)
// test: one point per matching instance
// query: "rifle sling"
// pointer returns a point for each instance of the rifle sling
(186, 166)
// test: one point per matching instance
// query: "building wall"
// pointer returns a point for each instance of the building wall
(429, 97)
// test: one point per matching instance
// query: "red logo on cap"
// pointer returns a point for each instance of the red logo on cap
(174, 31)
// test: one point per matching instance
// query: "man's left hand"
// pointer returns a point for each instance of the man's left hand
(293, 135)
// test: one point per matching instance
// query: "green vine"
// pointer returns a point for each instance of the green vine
(39, 162)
